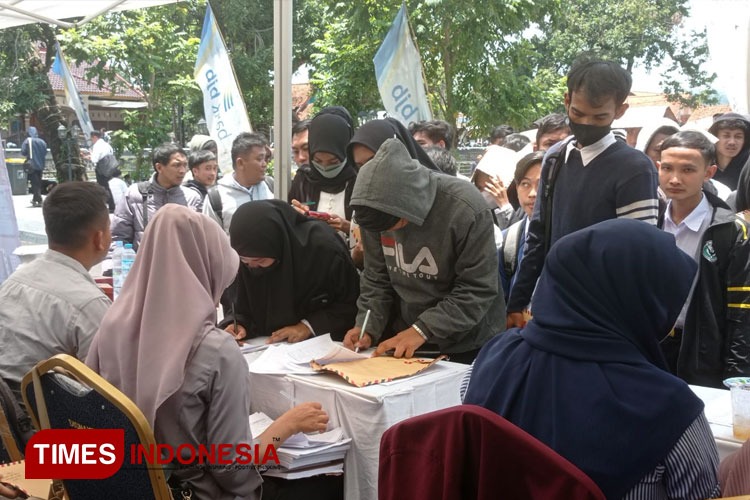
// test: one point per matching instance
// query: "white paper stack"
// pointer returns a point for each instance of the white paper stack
(316, 470)
(305, 455)
(295, 359)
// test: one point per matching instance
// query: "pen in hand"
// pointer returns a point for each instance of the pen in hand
(362, 331)
(234, 323)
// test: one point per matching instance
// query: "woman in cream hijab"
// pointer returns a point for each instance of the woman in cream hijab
(159, 345)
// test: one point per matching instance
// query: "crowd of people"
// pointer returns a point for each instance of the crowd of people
(586, 281)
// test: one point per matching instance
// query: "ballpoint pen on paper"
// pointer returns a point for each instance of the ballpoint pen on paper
(234, 323)
(362, 331)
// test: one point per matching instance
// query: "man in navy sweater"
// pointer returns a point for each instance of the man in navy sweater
(586, 180)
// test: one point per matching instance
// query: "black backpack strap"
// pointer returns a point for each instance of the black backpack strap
(510, 250)
(214, 197)
(555, 161)
(144, 187)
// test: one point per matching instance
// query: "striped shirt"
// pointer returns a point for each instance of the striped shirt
(689, 471)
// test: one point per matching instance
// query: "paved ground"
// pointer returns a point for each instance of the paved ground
(30, 221)
(31, 229)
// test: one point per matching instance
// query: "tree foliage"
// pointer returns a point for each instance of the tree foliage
(19, 82)
(471, 51)
(152, 50)
(505, 61)
(633, 32)
(490, 61)
(26, 89)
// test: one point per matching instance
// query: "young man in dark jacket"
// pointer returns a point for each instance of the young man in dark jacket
(35, 151)
(711, 339)
(430, 268)
(204, 166)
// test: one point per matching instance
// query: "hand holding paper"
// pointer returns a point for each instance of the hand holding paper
(292, 334)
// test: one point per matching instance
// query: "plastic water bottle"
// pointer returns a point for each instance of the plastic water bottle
(117, 268)
(128, 257)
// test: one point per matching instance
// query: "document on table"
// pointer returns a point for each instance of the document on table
(378, 370)
(296, 358)
(246, 348)
(14, 474)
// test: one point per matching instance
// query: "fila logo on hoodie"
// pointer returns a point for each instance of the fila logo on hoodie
(423, 266)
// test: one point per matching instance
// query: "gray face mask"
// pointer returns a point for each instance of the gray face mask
(330, 171)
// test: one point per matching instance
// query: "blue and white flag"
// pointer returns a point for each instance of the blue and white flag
(398, 69)
(72, 97)
(223, 104)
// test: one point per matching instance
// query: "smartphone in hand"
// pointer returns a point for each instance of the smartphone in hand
(319, 215)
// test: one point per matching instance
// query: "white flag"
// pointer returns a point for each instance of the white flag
(398, 69)
(223, 104)
(72, 97)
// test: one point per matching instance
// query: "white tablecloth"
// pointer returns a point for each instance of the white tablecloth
(364, 413)
(719, 414)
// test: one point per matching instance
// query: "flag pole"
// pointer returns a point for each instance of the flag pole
(421, 64)
(231, 65)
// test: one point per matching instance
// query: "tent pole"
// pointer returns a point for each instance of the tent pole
(282, 96)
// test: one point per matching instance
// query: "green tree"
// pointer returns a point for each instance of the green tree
(473, 53)
(247, 26)
(26, 89)
(504, 61)
(632, 32)
(153, 50)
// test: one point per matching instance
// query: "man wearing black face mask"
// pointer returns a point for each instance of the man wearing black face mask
(588, 179)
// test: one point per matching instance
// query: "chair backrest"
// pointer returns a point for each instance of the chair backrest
(12, 443)
(469, 452)
(63, 393)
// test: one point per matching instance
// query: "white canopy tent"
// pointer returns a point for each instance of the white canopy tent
(19, 12)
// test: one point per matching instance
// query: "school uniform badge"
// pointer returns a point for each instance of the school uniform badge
(708, 251)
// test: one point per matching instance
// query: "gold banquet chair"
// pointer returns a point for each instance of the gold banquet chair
(63, 393)
(12, 438)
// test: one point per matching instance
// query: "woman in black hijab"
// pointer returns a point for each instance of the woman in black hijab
(370, 136)
(330, 174)
(296, 279)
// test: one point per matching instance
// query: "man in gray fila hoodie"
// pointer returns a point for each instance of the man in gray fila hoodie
(429, 247)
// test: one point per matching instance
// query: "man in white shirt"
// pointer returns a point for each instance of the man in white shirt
(711, 338)
(99, 150)
(52, 305)
(248, 182)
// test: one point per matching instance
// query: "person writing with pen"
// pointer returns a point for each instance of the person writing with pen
(296, 277)
(430, 277)
(189, 378)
